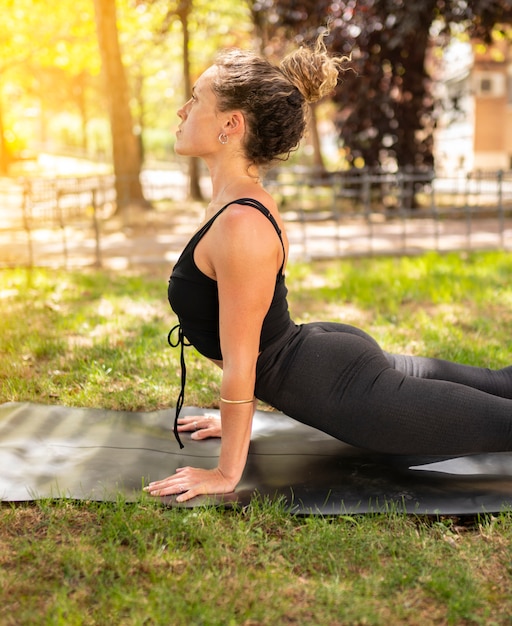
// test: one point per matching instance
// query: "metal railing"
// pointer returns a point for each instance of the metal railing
(47, 221)
(372, 212)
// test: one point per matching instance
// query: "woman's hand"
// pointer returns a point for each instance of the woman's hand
(201, 426)
(189, 482)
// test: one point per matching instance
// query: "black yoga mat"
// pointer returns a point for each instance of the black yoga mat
(95, 454)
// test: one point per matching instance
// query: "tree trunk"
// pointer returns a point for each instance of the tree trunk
(81, 95)
(125, 145)
(318, 159)
(184, 9)
(5, 157)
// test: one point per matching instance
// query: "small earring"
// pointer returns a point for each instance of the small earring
(223, 138)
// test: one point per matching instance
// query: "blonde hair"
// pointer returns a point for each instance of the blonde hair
(313, 71)
(274, 98)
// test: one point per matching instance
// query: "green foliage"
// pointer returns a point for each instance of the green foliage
(46, 57)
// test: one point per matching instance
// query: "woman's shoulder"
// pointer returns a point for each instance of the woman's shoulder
(249, 209)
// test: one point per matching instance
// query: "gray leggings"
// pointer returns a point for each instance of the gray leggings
(336, 378)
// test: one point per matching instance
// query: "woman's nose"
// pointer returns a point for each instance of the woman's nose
(182, 112)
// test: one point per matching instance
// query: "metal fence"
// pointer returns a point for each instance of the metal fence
(68, 221)
(40, 211)
(368, 212)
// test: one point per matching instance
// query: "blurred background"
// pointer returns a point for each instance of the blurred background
(419, 127)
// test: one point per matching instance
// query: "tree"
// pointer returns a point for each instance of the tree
(389, 100)
(388, 97)
(179, 11)
(200, 38)
(276, 25)
(183, 10)
(125, 145)
(19, 46)
(49, 64)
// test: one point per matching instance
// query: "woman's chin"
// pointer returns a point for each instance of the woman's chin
(181, 150)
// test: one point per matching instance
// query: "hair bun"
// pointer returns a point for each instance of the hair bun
(313, 71)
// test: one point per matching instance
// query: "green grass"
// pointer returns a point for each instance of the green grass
(99, 339)
(101, 563)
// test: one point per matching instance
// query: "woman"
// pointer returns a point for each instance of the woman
(228, 290)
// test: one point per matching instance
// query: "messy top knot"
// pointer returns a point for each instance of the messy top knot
(313, 72)
(274, 99)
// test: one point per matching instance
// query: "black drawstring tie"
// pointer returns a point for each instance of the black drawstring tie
(181, 342)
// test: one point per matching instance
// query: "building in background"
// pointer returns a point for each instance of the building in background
(491, 81)
(475, 115)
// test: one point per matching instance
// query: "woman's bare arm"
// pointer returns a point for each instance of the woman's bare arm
(244, 253)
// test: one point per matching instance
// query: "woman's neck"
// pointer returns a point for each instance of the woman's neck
(230, 185)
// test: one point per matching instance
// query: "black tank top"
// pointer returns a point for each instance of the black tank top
(194, 297)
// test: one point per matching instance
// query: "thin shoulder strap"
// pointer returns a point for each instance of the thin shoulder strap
(262, 209)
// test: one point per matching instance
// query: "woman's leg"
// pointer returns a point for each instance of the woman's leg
(340, 382)
(496, 382)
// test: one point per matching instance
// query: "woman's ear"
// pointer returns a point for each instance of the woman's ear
(235, 124)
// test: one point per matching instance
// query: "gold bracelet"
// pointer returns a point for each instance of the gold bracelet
(237, 401)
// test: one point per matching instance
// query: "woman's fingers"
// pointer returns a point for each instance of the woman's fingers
(189, 482)
(201, 426)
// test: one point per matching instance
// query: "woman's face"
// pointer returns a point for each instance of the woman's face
(197, 135)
